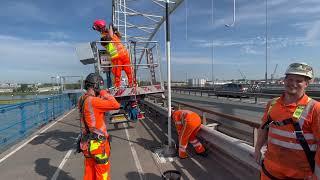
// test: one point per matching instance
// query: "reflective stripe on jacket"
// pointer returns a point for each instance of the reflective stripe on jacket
(285, 156)
(94, 109)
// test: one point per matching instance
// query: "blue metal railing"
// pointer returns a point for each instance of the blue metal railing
(19, 120)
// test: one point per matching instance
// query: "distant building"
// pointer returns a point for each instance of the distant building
(6, 90)
(47, 89)
(178, 83)
(5, 85)
(8, 87)
(197, 82)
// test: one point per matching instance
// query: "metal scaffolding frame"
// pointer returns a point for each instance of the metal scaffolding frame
(138, 24)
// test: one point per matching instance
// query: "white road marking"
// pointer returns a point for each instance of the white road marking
(172, 140)
(197, 163)
(151, 132)
(186, 172)
(64, 160)
(25, 143)
(134, 153)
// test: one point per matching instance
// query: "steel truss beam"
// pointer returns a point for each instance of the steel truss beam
(131, 19)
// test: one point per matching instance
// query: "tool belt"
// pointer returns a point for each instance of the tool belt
(94, 136)
(93, 145)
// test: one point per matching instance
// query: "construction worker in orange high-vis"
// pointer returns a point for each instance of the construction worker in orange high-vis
(291, 129)
(188, 124)
(119, 54)
(94, 141)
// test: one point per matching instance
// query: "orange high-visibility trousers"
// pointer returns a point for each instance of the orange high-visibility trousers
(116, 70)
(188, 134)
(94, 171)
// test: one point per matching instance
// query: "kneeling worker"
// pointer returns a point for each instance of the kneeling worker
(94, 142)
(188, 124)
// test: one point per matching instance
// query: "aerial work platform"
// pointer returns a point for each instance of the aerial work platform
(143, 65)
(144, 58)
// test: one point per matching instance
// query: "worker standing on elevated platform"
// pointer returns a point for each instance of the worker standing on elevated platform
(119, 54)
(188, 124)
(291, 128)
(94, 142)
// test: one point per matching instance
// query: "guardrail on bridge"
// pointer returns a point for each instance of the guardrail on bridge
(19, 120)
(239, 150)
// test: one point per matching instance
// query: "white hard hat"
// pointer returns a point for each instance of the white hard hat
(302, 69)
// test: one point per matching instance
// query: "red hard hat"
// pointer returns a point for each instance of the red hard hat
(99, 24)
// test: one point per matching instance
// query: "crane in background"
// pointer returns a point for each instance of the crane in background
(242, 75)
(274, 72)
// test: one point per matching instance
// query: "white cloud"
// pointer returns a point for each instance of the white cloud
(313, 33)
(251, 50)
(57, 35)
(191, 59)
(253, 12)
(38, 57)
(274, 42)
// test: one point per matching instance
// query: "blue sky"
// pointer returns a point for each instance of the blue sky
(37, 38)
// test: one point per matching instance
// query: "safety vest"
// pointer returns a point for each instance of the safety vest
(121, 49)
(92, 145)
(281, 136)
(111, 48)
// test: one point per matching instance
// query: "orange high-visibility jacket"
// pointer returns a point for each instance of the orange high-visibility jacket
(181, 117)
(121, 49)
(94, 109)
(285, 157)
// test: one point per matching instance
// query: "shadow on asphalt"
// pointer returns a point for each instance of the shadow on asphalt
(147, 176)
(43, 168)
(56, 139)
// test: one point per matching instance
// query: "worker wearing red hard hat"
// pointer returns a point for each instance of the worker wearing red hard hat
(119, 54)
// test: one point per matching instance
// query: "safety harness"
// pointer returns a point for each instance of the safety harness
(94, 140)
(296, 118)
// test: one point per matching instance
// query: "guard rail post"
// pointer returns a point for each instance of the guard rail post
(204, 118)
(255, 136)
(47, 109)
(40, 112)
(23, 119)
(53, 109)
(255, 99)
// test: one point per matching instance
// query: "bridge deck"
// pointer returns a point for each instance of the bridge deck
(49, 154)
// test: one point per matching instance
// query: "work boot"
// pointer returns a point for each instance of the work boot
(183, 155)
(203, 154)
